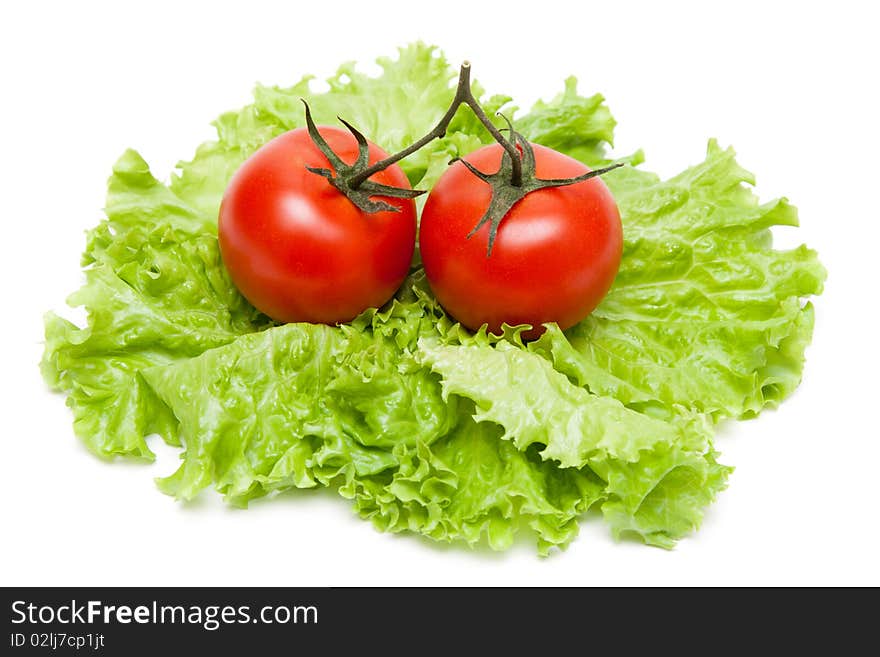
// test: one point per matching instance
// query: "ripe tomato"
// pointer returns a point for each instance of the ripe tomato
(555, 256)
(297, 248)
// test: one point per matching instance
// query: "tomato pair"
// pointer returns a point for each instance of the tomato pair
(299, 250)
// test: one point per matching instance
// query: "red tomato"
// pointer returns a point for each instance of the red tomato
(297, 248)
(555, 256)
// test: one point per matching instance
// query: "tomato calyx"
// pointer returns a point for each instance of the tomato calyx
(505, 194)
(342, 174)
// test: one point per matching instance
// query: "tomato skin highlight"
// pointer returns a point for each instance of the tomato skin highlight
(555, 256)
(297, 248)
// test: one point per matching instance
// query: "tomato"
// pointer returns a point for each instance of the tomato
(297, 248)
(554, 258)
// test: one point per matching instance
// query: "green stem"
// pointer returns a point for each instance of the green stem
(463, 95)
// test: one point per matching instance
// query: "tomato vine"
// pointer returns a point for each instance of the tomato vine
(515, 179)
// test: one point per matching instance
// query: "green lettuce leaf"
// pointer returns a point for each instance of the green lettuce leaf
(663, 496)
(299, 406)
(659, 475)
(155, 291)
(704, 314)
(537, 405)
(471, 486)
(572, 124)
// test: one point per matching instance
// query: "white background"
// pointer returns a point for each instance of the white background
(792, 86)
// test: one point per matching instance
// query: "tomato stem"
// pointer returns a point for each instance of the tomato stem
(463, 96)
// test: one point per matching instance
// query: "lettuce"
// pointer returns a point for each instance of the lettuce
(704, 314)
(424, 426)
(570, 423)
(155, 291)
(300, 406)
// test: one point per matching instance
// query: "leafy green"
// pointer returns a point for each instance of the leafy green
(297, 404)
(425, 426)
(659, 475)
(704, 313)
(571, 423)
(572, 124)
(155, 291)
